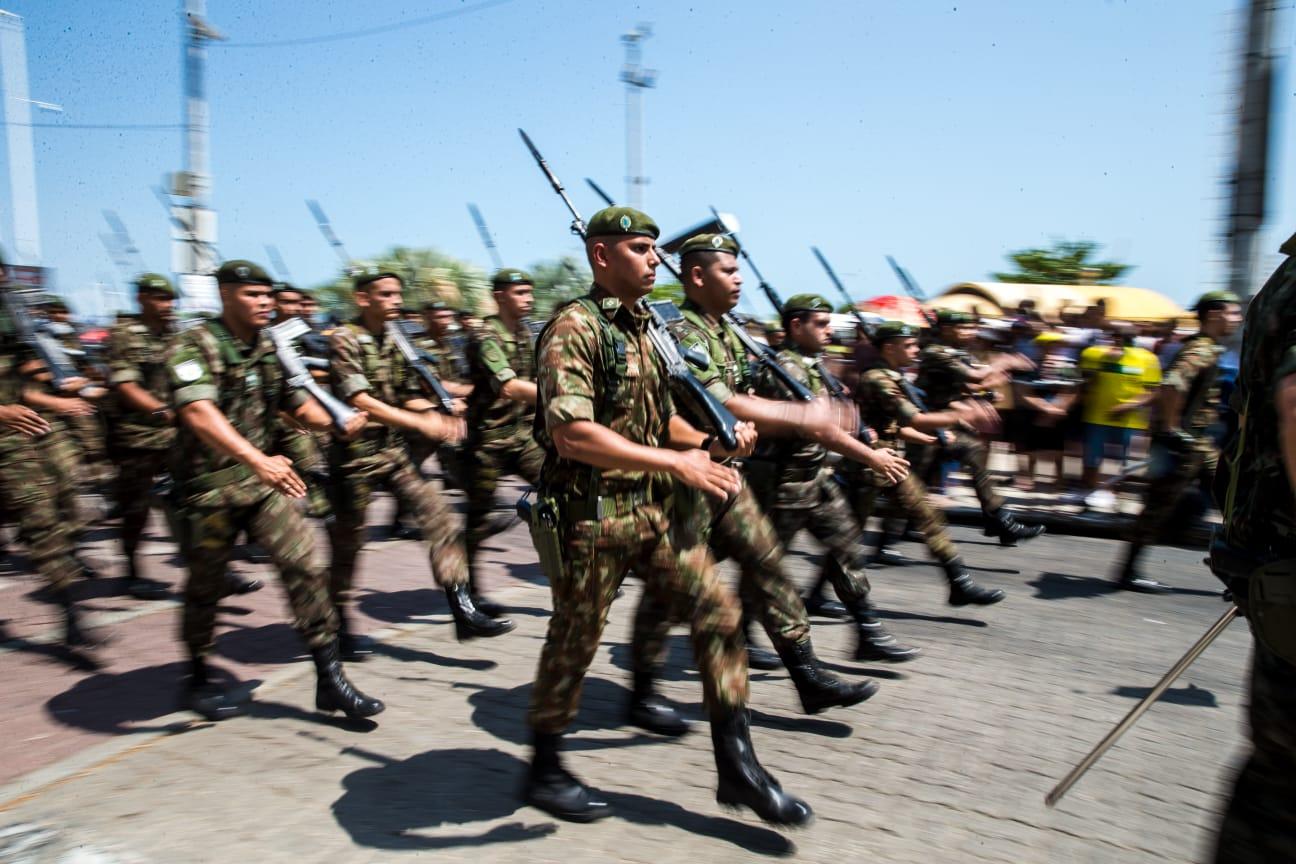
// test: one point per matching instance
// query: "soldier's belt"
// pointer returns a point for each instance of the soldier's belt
(597, 507)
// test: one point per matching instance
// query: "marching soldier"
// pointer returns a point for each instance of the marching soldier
(367, 371)
(298, 444)
(501, 410)
(1254, 487)
(888, 408)
(947, 373)
(85, 430)
(227, 388)
(613, 445)
(1187, 408)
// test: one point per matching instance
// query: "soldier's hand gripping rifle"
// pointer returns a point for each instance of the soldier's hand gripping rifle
(431, 383)
(284, 337)
(686, 386)
(37, 338)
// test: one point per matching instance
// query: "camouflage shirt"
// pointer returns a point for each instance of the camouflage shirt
(886, 405)
(360, 362)
(12, 355)
(1193, 372)
(207, 364)
(1251, 485)
(797, 461)
(447, 366)
(137, 355)
(943, 374)
(599, 366)
(729, 373)
(495, 357)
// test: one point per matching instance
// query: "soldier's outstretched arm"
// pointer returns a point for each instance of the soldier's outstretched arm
(685, 436)
(597, 445)
(430, 424)
(214, 429)
(519, 391)
(313, 415)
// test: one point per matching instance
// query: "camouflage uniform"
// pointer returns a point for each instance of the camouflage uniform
(1256, 498)
(886, 408)
(744, 533)
(942, 376)
(86, 432)
(220, 497)
(452, 457)
(500, 439)
(359, 363)
(303, 447)
(1193, 457)
(140, 443)
(596, 363)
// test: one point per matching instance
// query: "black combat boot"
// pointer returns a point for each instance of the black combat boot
(333, 692)
(352, 647)
(469, 620)
(236, 583)
(883, 555)
(742, 780)
(816, 603)
(965, 592)
(76, 636)
(817, 687)
(647, 710)
(142, 587)
(757, 657)
(1130, 579)
(872, 641)
(1003, 525)
(551, 788)
(487, 607)
(209, 699)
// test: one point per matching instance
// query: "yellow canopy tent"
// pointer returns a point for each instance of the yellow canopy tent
(1124, 303)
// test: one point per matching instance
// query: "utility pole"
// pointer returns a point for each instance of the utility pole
(18, 138)
(637, 79)
(193, 235)
(1251, 165)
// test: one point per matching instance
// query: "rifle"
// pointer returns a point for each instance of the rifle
(36, 336)
(688, 388)
(911, 288)
(284, 335)
(431, 383)
(487, 240)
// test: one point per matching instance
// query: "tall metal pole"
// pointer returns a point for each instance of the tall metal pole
(18, 135)
(1251, 166)
(636, 79)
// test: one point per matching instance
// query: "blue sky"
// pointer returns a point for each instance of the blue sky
(942, 133)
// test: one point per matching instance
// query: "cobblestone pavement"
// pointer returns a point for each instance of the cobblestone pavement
(949, 762)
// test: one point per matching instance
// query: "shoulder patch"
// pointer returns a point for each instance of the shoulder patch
(189, 371)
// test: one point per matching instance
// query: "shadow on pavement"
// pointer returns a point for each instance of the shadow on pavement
(270, 643)
(529, 572)
(810, 725)
(404, 654)
(1191, 695)
(503, 712)
(389, 804)
(125, 703)
(55, 651)
(894, 615)
(1062, 586)
(400, 607)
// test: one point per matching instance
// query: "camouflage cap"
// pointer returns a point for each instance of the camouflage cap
(709, 243)
(613, 221)
(154, 283)
(1215, 300)
(772, 327)
(437, 306)
(363, 274)
(241, 272)
(806, 303)
(285, 287)
(893, 330)
(509, 276)
(954, 317)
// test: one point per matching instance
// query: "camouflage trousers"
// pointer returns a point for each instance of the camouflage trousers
(208, 536)
(350, 493)
(451, 457)
(830, 521)
(138, 470)
(487, 462)
(598, 555)
(59, 452)
(308, 461)
(972, 453)
(29, 491)
(1260, 819)
(88, 438)
(1167, 487)
(909, 496)
(746, 535)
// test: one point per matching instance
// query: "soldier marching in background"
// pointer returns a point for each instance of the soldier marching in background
(948, 373)
(227, 388)
(298, 444)
(367, 371)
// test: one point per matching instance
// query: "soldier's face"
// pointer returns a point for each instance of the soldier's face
(58, 316)
(380, 300)
(720, 283)
(309, 307)
(157, 307)
(625, 265)
(438, 322)
(515, 301)
(900, 353)
(288, 304)
(960, 334)
(813, 332)
(1224, 322)
(248, 305)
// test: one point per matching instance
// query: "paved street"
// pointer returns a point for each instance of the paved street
(949, 762)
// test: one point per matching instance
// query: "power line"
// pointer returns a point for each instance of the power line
(122, 126)
(370, 31)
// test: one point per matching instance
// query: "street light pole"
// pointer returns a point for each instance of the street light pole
(637, 79)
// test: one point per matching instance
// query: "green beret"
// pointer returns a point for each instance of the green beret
(772, 327)
(614, 221)
(436, 306)
(893, 330)
(155, 283)
(1214, 300)
(363, 274)
(240, 272)
(953, 316)
(506, 277)
(709, 243)
(806, 303)
(287, 287)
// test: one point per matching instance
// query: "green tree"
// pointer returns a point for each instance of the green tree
(556, 282)
(1067, 262)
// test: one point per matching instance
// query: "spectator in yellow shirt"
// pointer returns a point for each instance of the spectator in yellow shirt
(1121, 380)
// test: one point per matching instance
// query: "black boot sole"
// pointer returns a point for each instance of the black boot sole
(677, 729)
(583, 817)
(863, 693)
(875, 655)
(731, 797)
(968, 601)
(466, 632)
(329, 704)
